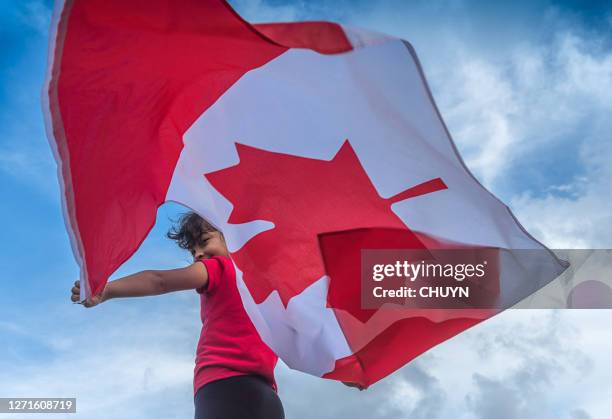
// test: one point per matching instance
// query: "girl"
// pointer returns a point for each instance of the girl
(234, 371)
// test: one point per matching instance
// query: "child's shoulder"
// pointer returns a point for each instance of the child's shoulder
(219, 264)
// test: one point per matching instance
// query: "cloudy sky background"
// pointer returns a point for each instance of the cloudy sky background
(526, 91)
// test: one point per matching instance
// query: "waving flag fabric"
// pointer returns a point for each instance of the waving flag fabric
(303, 142)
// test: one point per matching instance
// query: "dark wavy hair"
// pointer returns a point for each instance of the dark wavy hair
(187, 231)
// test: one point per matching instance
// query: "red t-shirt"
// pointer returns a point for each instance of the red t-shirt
(229, 343)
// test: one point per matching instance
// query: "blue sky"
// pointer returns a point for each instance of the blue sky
(526, 91)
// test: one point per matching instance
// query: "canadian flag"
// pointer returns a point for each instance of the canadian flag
(303, 142)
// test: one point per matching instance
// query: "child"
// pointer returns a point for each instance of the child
(234, 372)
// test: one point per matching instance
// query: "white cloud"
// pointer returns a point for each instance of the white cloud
(537, 102)
(580, 414)
(533, 100)
(118, 362)
(134, 359)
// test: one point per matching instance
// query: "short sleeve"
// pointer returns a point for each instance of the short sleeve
(215, 266)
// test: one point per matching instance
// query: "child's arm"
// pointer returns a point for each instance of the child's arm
(147, 283)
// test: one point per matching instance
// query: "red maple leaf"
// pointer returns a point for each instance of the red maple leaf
(303, 197)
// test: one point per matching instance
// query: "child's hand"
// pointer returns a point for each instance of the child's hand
(359, 386)
(89, 302)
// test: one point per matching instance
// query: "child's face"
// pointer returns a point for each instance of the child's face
(213, 244)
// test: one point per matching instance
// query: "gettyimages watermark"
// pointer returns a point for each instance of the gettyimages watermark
(486, 278)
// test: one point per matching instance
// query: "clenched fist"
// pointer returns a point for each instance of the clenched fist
(89, 302)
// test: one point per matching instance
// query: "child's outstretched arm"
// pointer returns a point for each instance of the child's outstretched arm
(147, 283)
